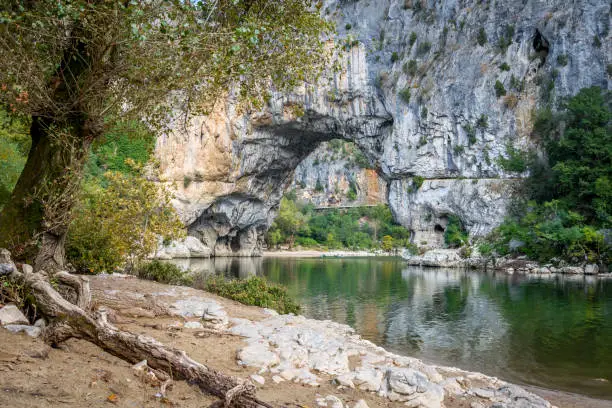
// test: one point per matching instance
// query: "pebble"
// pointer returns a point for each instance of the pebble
(258, 379)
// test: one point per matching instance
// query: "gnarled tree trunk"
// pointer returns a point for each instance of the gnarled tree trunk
(34, 223)
(67, 320)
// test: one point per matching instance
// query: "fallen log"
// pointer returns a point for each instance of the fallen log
(68, 320)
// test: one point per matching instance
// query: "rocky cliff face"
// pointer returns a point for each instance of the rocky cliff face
(434, 89)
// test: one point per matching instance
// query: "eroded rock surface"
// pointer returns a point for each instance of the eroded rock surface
(416, 93)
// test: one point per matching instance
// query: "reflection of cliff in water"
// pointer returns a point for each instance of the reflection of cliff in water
(231, 267)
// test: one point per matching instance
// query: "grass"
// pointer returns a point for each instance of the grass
(253, 291)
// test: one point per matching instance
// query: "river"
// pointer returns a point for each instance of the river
(553, 332)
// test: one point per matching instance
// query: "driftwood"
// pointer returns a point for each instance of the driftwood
(68, 320)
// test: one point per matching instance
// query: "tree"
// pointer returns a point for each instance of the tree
(290, 220)
(70, 65)
(387, 243)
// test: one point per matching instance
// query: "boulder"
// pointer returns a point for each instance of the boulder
(196, 248)
(193, 325)
(361, 404)
(6, 264)
(10, 314)
(591, 269)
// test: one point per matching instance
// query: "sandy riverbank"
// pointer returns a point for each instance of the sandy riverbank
(297, 361)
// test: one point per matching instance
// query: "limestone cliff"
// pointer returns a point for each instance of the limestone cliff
(420, 93)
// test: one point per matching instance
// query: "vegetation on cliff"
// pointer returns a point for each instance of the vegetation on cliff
(567, 202)
(352, 228)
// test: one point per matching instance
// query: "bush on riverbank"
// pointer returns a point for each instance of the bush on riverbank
(253, 291)
(163, 272)
(567, 201)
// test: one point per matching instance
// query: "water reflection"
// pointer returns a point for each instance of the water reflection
(551, 331)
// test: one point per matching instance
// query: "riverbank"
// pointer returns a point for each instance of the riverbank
(313, 253)
(291, 359)
(453, 258)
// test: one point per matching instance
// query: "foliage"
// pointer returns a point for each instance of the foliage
(483, 121)
(254, 291)
(163, 272)
(549, 230)
(355, 228)
(387, 243)
(405, 94)
(14, 147)
(423, 48)
(504, 66)
(413, 38)
(112, 48)
(516, 161)
(394, 57)
(562, 59)
(417, 182)
(568, 195)
(119, 224)
(500, 90)
(481, 38)
(352, 191)
(410, 67)
(455, 234)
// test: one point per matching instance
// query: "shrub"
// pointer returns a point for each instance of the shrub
(562, 60)
(163, 272)
(423, 48)
(481, 38)
(424, 112)
(485, 249)
(120, 224)
(348, 26)
(417, 182)
(458, 149)
(504, 66)
(387, 243)
(413, 38)
(405, 95)
(470, 131)
(499, 89)
(410, 67)
(455, 234)
(254, 291)
(517, 161)
(394, 57)
(596, 41)
(482, 122)
(319, 187)
(511, 101)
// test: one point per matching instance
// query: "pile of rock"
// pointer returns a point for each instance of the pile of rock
(13, 320)
(293, 348)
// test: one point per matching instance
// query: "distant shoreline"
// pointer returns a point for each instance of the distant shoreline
(313, 253)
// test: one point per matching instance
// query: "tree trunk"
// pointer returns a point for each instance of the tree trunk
(68, 320)
(34, 223)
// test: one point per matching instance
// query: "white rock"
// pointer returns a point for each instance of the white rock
(346, 380)
(10, 314)
(333, 402)
(482, 393)
(193, 325)
(257, 355)
(361, 404)
(591, 269)
(258, 379)
(368, 379)
(31, 331)
(277, 379)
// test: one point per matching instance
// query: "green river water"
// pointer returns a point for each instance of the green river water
(554, 332)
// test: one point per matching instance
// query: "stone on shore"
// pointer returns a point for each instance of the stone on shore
(31, 331)
(10, 314)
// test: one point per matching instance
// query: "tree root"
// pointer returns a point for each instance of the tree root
(68, 320)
